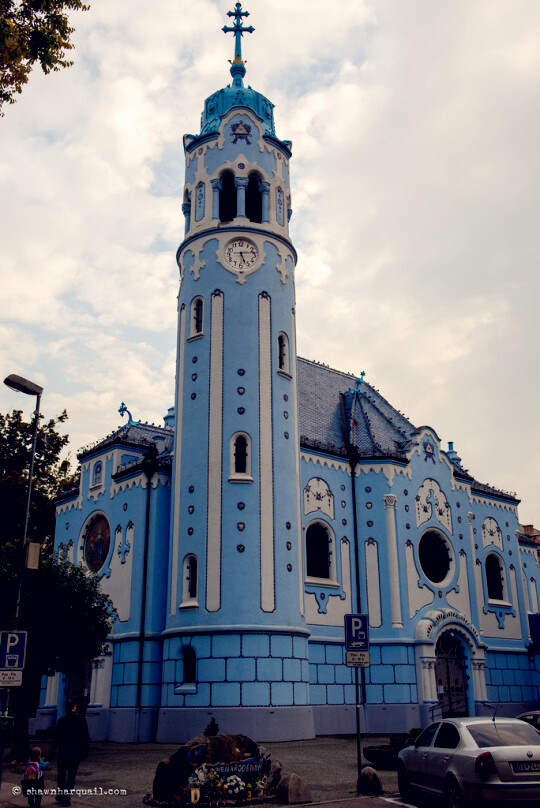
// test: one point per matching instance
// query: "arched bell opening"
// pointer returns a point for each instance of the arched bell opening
(227, 197)
(254, 198)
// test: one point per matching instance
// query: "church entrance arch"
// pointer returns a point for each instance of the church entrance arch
(450, 676)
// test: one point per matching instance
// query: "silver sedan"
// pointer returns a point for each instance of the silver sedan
(473, 759)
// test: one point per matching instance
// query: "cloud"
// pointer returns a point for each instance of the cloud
(415, 194)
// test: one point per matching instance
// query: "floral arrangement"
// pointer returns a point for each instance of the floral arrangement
(217, 784)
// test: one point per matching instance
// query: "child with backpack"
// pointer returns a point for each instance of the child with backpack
(34, 780)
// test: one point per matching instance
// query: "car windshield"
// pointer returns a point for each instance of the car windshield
(501, 734)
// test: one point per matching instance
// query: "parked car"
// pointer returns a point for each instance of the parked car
(532, 717)
(474, 759)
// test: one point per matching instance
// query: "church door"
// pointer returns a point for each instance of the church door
(78, 687)
(450, 676)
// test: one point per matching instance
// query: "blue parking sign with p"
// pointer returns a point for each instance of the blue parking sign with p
(356, 632)
(12, 649)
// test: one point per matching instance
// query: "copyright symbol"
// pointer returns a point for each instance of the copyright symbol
(16, 790)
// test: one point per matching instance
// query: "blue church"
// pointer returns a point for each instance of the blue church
(278, 496)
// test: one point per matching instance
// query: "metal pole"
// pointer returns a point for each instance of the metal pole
(149, 465)
(353, 459)
(22, 549)
(27, 512)
(352, 454)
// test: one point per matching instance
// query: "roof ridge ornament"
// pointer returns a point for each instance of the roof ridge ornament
(358, 383)
(238, 70)
(122, 410)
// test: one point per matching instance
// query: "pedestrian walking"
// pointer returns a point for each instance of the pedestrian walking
(73, 742)
(33, 781)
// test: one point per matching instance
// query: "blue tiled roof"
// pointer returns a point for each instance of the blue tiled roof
(363, 418)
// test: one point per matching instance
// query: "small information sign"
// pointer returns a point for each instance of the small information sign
(10, 678)
(357, 659)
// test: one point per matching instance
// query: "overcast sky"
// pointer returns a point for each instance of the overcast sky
(415, 176)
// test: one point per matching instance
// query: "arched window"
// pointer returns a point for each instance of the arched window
(240, 455)
(200, 193)
(190, 666)
(240, 465)
(254, 199)
(280, 207)
(97, 475)
(190, 582)
(196, 321)
(320, 556)
(495, 577)
(227, 197)
(283, 353)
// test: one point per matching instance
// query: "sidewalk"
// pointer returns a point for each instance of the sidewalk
(328, 764)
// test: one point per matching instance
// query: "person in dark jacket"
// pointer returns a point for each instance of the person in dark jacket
(73, 742)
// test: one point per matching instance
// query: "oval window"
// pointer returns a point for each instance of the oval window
(434, 555)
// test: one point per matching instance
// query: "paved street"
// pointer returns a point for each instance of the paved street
(328, 764)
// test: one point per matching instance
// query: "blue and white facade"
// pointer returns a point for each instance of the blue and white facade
(231, 539)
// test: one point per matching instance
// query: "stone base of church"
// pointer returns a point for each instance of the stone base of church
(375, 719)
(177, 725)
(129, 725)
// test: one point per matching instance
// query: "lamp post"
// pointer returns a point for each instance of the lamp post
(22, 385)
(31, 389)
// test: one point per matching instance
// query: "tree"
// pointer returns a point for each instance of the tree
(68, 619)
(51, 473)
(32, 31)
(67, 616)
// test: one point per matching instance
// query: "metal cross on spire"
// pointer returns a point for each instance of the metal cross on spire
(238, 29)
(358, 383)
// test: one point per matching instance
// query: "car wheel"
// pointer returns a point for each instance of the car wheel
(452, 794)
(404, 783)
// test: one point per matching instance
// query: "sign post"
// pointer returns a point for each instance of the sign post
(12, 657)
(357, 656)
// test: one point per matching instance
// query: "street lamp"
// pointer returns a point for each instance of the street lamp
(31, 389)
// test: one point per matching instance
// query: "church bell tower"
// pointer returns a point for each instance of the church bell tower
(236, 642)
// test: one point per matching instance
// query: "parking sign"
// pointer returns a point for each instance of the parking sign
(12, 650)
(356, 632)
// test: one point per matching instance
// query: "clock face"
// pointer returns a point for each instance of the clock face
(240, 254)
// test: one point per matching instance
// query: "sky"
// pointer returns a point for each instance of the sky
(415, 192)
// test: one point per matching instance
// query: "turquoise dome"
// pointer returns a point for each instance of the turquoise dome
(234, 95)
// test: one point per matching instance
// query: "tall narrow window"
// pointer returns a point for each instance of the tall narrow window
(200, 193)
(283, 353)
(190, 666)
(190, 582)
(227, 197)
(494, 577)
(319, 556)
(280, 207)
(196, 323)
(240, 455)
(254, 199)
(240, 466)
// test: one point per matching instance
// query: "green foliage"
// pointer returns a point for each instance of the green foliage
(66, 614)
(32, 31)
(51, 473)
(62, 607)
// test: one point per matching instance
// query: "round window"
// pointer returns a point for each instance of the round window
(435, 556)
(97, 543)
